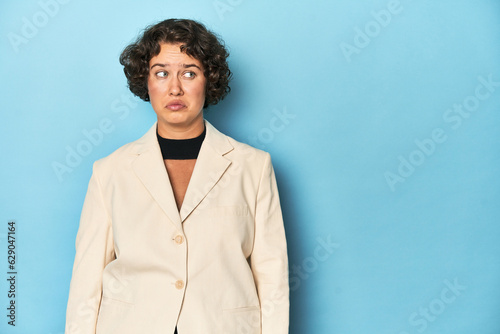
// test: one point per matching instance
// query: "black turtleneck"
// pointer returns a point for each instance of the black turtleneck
(180, 149)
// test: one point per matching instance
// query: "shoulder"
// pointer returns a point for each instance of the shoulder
(128, 152)
(241, 152)
(246, 149)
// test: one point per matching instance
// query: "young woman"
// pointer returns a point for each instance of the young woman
(182, 229)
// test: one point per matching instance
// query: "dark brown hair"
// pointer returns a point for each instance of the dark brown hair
(196, 41)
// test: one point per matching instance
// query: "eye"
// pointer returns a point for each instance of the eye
(190, 74)
(161, 74)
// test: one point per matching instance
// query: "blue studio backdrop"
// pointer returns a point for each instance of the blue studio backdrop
(382, 118)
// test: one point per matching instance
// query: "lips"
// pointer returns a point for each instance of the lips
(175, 105)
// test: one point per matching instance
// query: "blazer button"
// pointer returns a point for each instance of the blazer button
(179, 239)
(179, 284)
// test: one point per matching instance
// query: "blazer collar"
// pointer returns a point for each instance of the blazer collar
(208, 170)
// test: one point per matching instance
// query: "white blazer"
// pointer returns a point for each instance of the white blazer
(218, 266)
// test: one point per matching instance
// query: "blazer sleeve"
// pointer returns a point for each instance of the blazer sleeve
(269, 260)
(94, 250)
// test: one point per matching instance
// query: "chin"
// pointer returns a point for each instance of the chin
(179, 119)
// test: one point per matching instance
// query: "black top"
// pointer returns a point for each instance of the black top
(180, 149)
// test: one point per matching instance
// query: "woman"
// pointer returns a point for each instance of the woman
(181, 229)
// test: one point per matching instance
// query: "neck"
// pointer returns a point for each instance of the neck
(180, 149)
(181, 131)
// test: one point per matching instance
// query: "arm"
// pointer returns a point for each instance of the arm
(94, 250)
(269, 260)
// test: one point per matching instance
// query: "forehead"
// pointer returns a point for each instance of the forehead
(170, 54)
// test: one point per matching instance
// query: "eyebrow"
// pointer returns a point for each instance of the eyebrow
(183, 65)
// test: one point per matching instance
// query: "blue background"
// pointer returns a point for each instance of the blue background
(410, 215)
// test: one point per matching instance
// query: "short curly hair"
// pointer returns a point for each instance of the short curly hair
(196, 41)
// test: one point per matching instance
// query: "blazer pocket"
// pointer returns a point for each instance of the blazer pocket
(229, 211)
(242, 320)
(111, 315)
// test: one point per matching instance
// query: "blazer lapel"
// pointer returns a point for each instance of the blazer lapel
(150, 169)
(208, 170)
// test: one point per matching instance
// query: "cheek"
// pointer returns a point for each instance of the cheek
(155, 91)
(199, 90)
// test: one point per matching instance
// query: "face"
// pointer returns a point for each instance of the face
(176, 86)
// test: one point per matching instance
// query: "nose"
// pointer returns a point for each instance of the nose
(175, 87)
